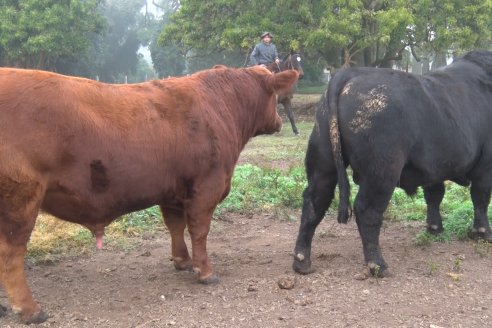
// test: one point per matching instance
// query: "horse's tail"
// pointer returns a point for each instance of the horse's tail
(332, 95)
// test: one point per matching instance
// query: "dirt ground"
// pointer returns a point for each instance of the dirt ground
(440, 285)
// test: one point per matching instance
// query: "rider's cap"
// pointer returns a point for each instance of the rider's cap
(265, 34)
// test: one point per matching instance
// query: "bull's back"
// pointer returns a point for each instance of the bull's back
(426, 122)
(96, 150)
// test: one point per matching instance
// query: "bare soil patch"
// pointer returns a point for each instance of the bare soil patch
(440, 285)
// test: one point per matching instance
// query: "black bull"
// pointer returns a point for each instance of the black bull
(399, 130)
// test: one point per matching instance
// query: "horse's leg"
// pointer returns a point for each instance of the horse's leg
(176, 223)
(19, 206)
(433, 195)
(287, 103)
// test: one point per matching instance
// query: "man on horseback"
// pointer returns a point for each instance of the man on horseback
(264, 52)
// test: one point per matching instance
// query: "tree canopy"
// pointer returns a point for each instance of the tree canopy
(342, 32)
(102, 37)
(36, 33)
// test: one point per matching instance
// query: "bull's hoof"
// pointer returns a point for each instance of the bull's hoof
(182, 265)
(39, 317)
(378, 271)
(302, 265)
(301, 269)
(211, 280)
(482, 233)
(3, 311)
(434, 229)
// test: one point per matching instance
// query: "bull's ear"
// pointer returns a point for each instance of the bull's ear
(283, 82)
(219, 66)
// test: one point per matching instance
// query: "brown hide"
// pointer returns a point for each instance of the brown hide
(88, 152)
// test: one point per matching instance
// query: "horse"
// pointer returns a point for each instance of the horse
(291, 61)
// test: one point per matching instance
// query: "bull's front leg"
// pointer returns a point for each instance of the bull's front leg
(433, 195)
(13, 241)
(198, 227)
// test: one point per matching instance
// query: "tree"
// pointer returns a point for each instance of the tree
(342, 32)
(451, 25)
(37, 33)
(167, 60)
(117, 50)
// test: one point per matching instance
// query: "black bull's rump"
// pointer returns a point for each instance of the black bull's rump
(399, 130)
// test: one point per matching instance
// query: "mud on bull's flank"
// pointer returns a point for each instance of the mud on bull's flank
(334, 134)
(347, 88)
(372, 103)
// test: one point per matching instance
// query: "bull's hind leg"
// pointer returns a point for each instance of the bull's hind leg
(480, 194)
(317, 198)
(370, 203)
(198, 211)
(19, 204)
(433, 195)
(176, 223)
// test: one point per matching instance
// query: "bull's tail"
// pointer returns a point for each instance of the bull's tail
(333, 93)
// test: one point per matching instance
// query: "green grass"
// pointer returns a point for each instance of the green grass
(53, 239)
(281, 147)
(305, 88)
(256, 189)
(456, 211)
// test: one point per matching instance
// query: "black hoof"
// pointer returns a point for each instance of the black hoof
(482, 233)
(434, 229)
(39, 317)
(212, 280)
(378, 271)
(302, 266)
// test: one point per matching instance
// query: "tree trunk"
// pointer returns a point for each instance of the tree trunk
(425, 65)
(416, 67)
(439, 61)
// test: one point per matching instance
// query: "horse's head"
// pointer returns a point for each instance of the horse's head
(291, 61)
(294, 61)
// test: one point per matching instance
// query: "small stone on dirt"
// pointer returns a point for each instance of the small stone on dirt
(252, 286)
(286, 282)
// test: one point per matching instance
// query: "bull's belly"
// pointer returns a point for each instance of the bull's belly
(83, 209)
(412, 177)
